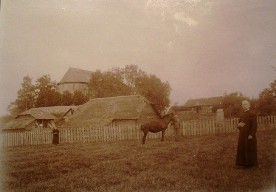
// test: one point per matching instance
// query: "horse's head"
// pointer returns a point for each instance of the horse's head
(168, 118)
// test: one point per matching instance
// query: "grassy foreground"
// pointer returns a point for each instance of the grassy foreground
(198, 163)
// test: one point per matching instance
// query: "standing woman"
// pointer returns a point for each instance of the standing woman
(55, 136)
(247, 142)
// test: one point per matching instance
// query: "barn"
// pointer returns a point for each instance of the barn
(31, 119)
(75, 79)
(203, 105)
(118, 111)
(201, 108)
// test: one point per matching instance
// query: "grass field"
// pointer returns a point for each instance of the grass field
(198, 163)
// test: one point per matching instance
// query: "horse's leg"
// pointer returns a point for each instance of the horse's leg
(144, 137)
(163, 134)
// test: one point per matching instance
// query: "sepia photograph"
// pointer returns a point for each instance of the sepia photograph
(137, 95)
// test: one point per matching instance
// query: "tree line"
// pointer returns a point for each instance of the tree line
(265, 104)
(127, 81)
(43, 93)
(114, 82)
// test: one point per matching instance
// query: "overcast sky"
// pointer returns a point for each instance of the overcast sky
(203, 48)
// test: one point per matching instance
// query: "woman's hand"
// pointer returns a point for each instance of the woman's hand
(241, 124)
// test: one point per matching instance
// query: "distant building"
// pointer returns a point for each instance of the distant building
(203, 105)
(75, 79)
(197, 108)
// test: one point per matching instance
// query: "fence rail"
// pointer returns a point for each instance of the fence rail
(206, 127)
(118, 133)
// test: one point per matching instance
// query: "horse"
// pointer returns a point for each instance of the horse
(155, 126)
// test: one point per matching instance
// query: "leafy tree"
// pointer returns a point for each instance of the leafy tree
(127, 81)
(67, 98)
(266, 104)
(25, 97)
(154, 90)
(147, 85)
(46, 92)
(231, 104)
(76, 98)
(79, 98)
(129, 76)
(107, 84)
(43, 93)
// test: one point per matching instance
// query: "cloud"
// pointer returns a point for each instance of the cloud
(180, 16)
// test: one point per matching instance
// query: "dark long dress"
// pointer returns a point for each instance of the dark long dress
(55, 136)
(247, 148)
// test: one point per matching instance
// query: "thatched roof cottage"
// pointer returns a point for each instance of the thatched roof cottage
(121, 110)
(30, 119)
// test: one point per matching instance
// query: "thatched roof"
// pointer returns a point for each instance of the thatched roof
(19, 123)
(57, 109)
(74, 75)
(37, 113)
(203, 101)
(103, 111)
(27, 117)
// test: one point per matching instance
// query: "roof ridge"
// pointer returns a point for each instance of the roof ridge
(206, 98)
(121, 96)
(79, 69)
(55, 106)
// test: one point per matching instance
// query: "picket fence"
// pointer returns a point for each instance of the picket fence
(118, 133)
(211, 126)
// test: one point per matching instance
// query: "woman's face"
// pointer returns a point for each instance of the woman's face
(245, 105)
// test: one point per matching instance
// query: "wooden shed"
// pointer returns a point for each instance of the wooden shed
(203, 105)
(75, 79)
(120, 111)
(31, 119)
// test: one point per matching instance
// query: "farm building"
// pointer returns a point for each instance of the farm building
(118, 111)
(185, 113)
(30, 119)
(203, 105)
(197, 108)
(60, 112)
(75, 79)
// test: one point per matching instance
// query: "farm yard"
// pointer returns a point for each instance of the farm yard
(195, 163)
(91, 87)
